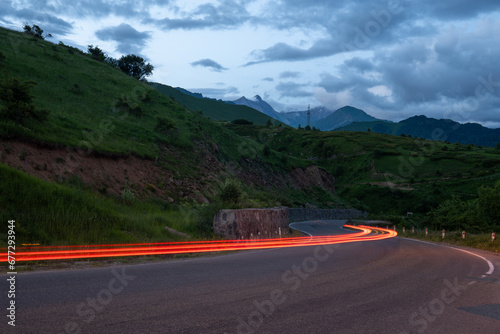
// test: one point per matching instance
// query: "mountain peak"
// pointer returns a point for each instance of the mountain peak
(259, 104)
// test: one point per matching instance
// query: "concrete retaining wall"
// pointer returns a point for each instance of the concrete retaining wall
(268, 223)
(252, 223)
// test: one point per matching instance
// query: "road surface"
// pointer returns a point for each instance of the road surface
(388, 286)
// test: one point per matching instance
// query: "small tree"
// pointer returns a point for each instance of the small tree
(18, 101)
(96, 53)
(34, 31)
(135, 66)
(230, 192)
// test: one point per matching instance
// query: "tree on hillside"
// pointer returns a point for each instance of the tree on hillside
(135, 66)
(34, 31)
(96, 53)
(17, 101)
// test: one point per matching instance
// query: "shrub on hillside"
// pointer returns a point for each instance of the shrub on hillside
(230, 192)
(241, 121)
(96, 53)
(135, 66)
(34, 31)
(17, 101)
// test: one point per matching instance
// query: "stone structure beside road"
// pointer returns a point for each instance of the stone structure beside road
(251, 223)
(272, 222)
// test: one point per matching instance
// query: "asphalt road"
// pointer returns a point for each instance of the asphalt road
(387, 286)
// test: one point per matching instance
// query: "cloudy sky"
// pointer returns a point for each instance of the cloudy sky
(393, 59)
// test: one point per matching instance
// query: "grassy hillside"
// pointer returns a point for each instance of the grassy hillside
(93, 105)
(214, 109)
(61, 214)
(384, 174)
(98, 119)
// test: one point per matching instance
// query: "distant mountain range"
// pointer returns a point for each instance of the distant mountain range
(346, 119)
(321, 117)
(431, 128)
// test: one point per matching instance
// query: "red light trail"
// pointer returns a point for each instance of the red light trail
(101, 251)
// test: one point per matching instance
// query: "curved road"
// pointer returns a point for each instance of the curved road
(387, 286)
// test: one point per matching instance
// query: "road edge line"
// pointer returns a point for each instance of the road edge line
(490, 264)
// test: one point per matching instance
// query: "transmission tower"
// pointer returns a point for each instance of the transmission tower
(309, 115)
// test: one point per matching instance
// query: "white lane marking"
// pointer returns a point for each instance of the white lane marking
(490, 265)
(298, 229)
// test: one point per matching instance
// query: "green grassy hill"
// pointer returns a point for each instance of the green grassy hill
(100, 124)
(216, 110)
(385, 174)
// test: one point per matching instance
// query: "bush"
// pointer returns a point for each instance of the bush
(241, 121)
(135, 66)
(128, 196)
(230, 192)
(266, 151)
(339, 170)
(164, 125)
(18, 101)
(34, 30)
(96, 53)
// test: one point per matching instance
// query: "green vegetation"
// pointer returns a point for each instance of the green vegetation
(34, 31)
(17, 102)
(62, 214)
(393, 175)
(481, 214)
(454, 237)
(58, 96)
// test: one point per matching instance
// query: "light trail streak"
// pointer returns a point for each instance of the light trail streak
(142, 249)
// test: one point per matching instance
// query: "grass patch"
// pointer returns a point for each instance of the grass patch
(54, 214)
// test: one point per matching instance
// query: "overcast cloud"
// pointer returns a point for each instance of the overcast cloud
(394, 59)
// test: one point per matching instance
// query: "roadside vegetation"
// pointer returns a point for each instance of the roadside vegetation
(482, 241)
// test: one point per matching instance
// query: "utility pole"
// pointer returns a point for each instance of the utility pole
(309, 115)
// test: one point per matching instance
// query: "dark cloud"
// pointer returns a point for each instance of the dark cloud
(32, 14)
(217, 93)
(289, 74)
(129, 39)
(352, 26)
(209, 63)
(451, 75)
(226, 14)
(268, 79)
(293, 89)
